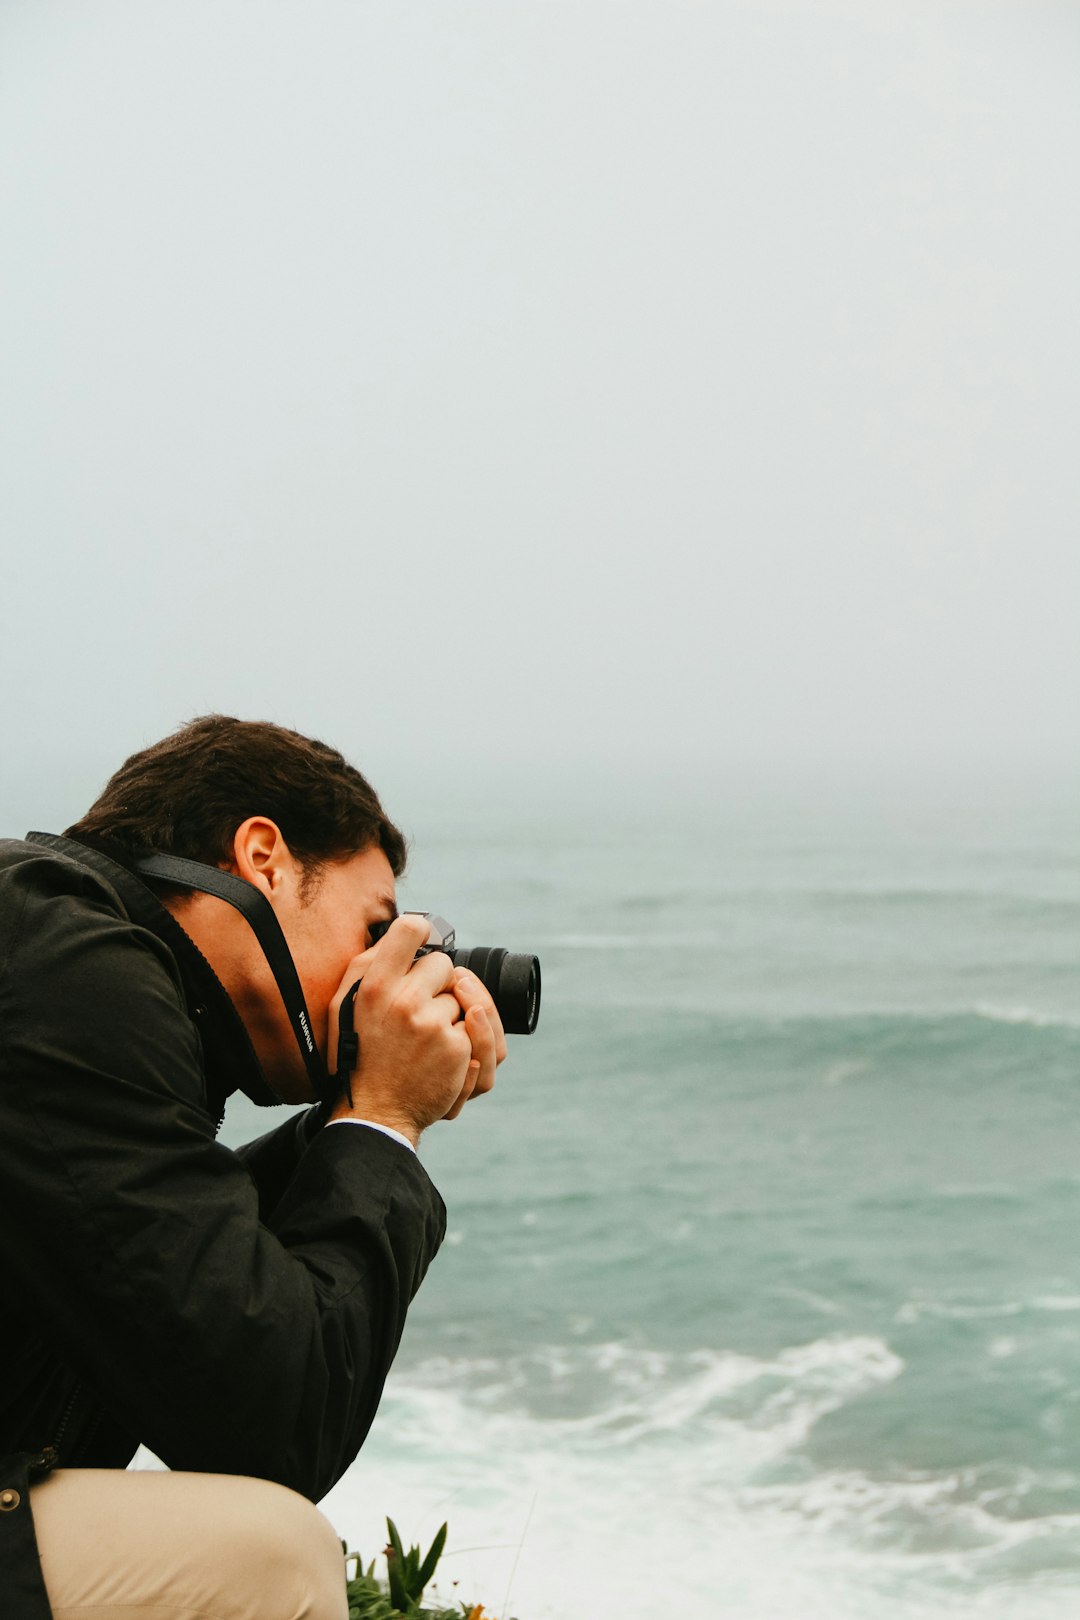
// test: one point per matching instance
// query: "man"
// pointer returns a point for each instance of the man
(235, 1312)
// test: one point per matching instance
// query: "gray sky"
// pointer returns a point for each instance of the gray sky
(588, 384)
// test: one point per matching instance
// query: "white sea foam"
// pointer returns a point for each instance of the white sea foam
(611, 1397)
(617, 1482)
(916, 1309)
(1028, 1016)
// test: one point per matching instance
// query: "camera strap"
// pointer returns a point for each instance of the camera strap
(348, 1044)
(259, 914)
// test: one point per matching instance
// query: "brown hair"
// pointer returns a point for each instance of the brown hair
(187, 794)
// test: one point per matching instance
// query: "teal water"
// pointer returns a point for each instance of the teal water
(761, 1293)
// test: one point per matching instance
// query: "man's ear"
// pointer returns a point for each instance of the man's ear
(262, 857)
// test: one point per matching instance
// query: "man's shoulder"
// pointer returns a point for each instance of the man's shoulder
(52, 860)
(53, 900)
(83, 984)
(45, 866)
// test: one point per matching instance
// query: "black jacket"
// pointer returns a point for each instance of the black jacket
(236, 1312)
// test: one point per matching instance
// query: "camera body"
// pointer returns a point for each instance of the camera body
(512, 978)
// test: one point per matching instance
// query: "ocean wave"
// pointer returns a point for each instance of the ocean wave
(850, 1041)
(919, 1309)
(817, 1014)
(931, 1017)
(616, 1480)
(1025, 1016)
(789, 897)
(610, 1397)
(922, 1519)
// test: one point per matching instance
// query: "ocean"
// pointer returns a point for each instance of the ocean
(761, 1290)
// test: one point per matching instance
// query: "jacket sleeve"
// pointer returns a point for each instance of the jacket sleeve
(272, 1159)
(134, 1240)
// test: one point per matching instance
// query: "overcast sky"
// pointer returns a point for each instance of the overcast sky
(592, 384)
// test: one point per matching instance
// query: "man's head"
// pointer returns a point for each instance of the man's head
(187, 795)
(291, 816)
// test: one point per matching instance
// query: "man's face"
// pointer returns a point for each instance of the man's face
(325, 928)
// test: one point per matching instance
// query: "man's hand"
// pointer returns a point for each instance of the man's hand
(486, 1035)
(430, 1037)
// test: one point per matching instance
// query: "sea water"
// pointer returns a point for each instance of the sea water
(761, 1290)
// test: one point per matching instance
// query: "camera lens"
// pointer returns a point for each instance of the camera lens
(513, 981)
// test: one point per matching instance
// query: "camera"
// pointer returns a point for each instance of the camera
(511, 978)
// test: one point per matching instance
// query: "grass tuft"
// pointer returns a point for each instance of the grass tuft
(400, 1595)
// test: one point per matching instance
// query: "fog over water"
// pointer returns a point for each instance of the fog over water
(585, 389)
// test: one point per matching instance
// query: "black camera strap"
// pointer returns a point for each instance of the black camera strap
(348, 1046)
(259, 914)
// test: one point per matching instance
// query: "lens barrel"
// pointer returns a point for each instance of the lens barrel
(513, 982)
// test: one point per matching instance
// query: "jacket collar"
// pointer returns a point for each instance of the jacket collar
(231, 1063)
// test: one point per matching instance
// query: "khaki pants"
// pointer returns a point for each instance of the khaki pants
(159, 1546)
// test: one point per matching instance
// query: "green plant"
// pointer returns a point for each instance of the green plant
(367, 1596)
(407, 1576)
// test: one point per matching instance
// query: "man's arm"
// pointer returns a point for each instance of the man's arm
(271, 1160)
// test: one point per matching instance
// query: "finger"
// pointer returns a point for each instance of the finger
(359, 966)
(482, 1038)
(473, 992)
(473, 1070)
(480, 1075)
(434, 972)
(467, 1089)
(356, 969)
(398, 947)
(449, 1008)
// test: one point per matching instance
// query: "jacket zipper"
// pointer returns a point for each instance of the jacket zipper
(64, 1422)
